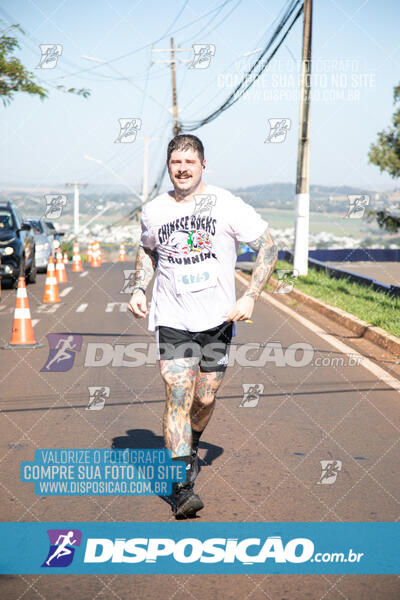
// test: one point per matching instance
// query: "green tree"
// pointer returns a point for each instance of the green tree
(14, 77)
(385, 220)
(385, 154)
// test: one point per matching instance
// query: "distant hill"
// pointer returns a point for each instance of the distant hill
(324, 199)
(283, 194)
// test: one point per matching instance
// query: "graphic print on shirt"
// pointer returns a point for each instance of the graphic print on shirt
(187, 243)
(182, 295)
(186, 238)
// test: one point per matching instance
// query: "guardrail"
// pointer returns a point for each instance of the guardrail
(356, 255)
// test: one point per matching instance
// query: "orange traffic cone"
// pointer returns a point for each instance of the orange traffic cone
(96, 260)
(22, 331)
(61, 273)
(65, 259)
(89, 253)
(51, 294)
(76, 260)
(122, 253)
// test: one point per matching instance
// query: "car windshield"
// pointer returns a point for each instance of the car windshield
(6, 220)
(37, 226)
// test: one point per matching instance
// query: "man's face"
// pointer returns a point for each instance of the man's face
(185, 169)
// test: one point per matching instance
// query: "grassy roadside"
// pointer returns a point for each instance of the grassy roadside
(377, 308)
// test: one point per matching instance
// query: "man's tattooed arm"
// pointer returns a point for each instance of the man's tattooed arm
(267, 254)
(146, 263)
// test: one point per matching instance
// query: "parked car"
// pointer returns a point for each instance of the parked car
(56, 235)
(17, 245)
(43, 243)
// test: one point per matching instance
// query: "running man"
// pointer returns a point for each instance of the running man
(98, 397)
(63, 345)
(62, 549)
(194, 308)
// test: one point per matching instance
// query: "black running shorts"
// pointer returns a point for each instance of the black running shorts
(211, 346)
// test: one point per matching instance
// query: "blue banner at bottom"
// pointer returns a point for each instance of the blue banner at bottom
(193, 547)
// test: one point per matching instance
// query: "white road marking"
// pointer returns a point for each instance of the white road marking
(84, 273)
(331, 339)
(123, 306)
(47, 308)
(66, 291)
(35, 322)
(82, 308)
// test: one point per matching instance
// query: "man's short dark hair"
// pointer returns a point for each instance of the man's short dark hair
(185, 141)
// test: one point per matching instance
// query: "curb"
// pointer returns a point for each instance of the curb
(361, 328)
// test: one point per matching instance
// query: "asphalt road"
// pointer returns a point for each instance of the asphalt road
(261, 456)
(385, 272)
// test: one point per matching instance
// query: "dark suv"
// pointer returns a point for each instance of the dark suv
(17, 246)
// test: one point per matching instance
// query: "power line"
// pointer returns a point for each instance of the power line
(255, 71)
(245, 84)
(146, 72)
(212, 19)
(257, 45)
(156, 187)
(243, 87)
(128, 79)
(36, 41)
(122, 56)
(178, 16)
(231, 100)
(145, 88)
(124, 160)
(135, 212)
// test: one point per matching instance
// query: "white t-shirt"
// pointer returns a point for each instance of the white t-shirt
(197, 245)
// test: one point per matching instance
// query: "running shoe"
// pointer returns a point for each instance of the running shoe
(194, 466)
(185, 502)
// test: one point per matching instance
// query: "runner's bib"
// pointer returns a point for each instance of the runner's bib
(195, 277)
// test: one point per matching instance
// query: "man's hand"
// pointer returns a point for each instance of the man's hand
(241, 310)
(145, 266)
(138, 304)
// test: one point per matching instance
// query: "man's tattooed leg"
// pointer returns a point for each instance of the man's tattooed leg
(206, 387)
(179, 376)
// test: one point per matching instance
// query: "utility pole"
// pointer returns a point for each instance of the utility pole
(300, 263)
(177, 126)
(172, 61)
(76, 187)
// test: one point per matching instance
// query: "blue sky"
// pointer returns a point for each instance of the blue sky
(356, 53)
